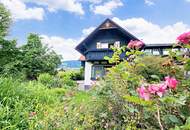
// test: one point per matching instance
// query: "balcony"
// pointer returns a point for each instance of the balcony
(98, 54)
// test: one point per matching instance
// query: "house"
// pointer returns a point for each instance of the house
(97, 45)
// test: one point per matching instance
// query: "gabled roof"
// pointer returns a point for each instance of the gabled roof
(107, 24)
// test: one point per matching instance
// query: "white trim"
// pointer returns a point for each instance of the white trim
(87, 73)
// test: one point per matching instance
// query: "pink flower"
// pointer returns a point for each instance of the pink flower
(158, 89)
(143, 93)
(162, 89)
(139, 44)
(171, 82)
(135, 44)
(153, 88)
(184, 38)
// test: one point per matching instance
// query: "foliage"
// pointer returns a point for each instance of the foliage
(66, 78)
(28, 105)
(165, 111)
(5, 21)
(60, 80)
(29, 60)
(37, 58)
(156, 67)
(10, 56)
(77, 74)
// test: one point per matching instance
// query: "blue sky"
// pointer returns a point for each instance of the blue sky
(64, 23)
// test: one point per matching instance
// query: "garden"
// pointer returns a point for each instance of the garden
(141, 92)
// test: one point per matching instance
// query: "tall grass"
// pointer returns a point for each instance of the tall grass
(27, 105)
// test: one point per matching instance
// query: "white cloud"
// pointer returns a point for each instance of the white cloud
(187, 0)
(87, 31)
(107, 7)
(62, 46)
(152, 33)
(66, 46)
(66, 5)
(19, 10)
(149, 2)
(92, 1)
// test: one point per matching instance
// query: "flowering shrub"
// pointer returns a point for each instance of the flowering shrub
(163, 99)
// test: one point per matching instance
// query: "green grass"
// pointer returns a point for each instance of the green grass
(28, 105)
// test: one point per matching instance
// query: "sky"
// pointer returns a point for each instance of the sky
(62, 24)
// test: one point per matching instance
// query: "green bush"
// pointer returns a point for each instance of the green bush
(154, 67)
(61, 80)
(65, 78)
(46, 79)
(77, 74)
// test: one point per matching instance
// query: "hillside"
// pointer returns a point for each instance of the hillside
(72, 64)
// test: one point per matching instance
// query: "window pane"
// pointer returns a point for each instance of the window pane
(156, 52)
(98, 45)
(104, 45)
(165, 52)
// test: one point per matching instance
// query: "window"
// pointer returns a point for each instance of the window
(156, 52)
(98, 71)
(104, 45)
(100, 45)
(165, 51)
(148, 52)
(117, 44)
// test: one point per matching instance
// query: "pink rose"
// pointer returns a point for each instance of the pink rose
(171, 82)
(131, 44)
(139, 44)
(158, 89)
(153, 88)
(162, 89)
(143, 93)
(184, 38)
(135, 44)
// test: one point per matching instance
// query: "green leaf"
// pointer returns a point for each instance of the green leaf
(107, 58)
(173, 118)
(188, 121)
(138, 100)
(155, 77)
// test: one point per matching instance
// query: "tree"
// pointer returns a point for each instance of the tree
(9, 53)
(10, 56)
(5, 20)
(38, 58)
(30, 59)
